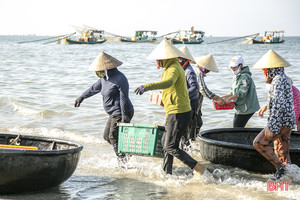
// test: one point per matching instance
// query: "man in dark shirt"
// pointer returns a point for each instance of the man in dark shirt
(114, 88)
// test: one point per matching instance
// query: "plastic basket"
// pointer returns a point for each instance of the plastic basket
(140, 139)
(224, 106)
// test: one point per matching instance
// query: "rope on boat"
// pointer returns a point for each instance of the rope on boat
(168, 34)
(47, 38)
(60, 38)
(15, 141)
(254, 36)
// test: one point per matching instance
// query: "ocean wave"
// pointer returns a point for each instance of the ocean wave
(55, 133)
(27, 108)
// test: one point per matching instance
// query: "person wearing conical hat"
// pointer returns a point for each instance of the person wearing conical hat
(114, 89)
(243, 92)
(281, 119)
(176, 103)
(203, 66)
(193, 88)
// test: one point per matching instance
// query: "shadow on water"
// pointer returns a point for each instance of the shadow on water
(95, 187)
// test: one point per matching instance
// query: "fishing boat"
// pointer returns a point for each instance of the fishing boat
(233, 147)
(82, 41)
(271, 37)
(35, 163)
(187, 37)
(141, 36)
(89, 36)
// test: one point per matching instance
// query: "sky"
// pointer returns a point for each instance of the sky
(123, 17)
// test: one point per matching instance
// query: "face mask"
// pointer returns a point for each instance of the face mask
(268, 86)
(236, 71)
(100, 74)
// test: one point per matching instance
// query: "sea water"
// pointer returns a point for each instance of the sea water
(40, 82)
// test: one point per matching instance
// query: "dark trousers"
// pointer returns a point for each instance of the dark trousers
(111, 131)
(176, 125)
(199, 115)
(241, 120)
(191, 131)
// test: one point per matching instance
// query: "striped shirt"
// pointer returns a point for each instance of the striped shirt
(202, 86)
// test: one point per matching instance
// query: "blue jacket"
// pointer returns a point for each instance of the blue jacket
(114, 91)
(192, 84)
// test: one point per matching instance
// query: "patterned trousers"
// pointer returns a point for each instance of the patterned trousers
(279, 155)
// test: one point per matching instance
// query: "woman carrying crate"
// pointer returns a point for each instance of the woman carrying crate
(243, 92)
(114, 88)
(176, 103)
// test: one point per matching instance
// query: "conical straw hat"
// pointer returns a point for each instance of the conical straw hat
(271, 60)
(165, 50)
(207, 62)
(104, 62)
(187, 54)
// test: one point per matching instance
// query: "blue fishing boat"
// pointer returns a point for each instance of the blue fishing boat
(187, 37)
(271, 37)
(141, 36)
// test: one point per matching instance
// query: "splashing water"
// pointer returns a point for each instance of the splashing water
(292, 173)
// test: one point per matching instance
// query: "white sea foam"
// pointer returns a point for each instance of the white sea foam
(55, 133)
(292, 173)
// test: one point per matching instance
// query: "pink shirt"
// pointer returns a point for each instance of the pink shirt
(296, 97)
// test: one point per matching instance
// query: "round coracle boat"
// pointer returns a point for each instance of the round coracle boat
(233, 147)
(35, 163)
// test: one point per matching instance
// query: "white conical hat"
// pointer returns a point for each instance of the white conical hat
(271, 60)
(104, 62)
(187, 54)
(207, 62)
(165, 50)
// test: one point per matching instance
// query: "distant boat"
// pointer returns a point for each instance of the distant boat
(37, 163)
(89, 35)
(141, 36)
(88, 41)
(234, 147)
(271, 37)
(187, 37)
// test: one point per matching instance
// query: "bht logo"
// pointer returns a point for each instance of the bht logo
(274, 185)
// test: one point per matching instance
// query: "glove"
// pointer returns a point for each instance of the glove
(78, 102)
(125, 119)
(140, 90)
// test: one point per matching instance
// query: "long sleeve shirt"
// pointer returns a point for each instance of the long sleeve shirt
(244, 88)
(202, 86)
(174, 90)
(280, 101)
(192, 84)
(114, 91)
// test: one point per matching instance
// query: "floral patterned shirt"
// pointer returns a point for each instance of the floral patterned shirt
(280, 101)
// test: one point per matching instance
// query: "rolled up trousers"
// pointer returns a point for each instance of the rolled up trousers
(279, 155)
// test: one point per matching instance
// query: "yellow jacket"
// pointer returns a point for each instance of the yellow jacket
(175, 96)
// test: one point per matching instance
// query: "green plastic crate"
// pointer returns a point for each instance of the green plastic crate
(140, 139)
